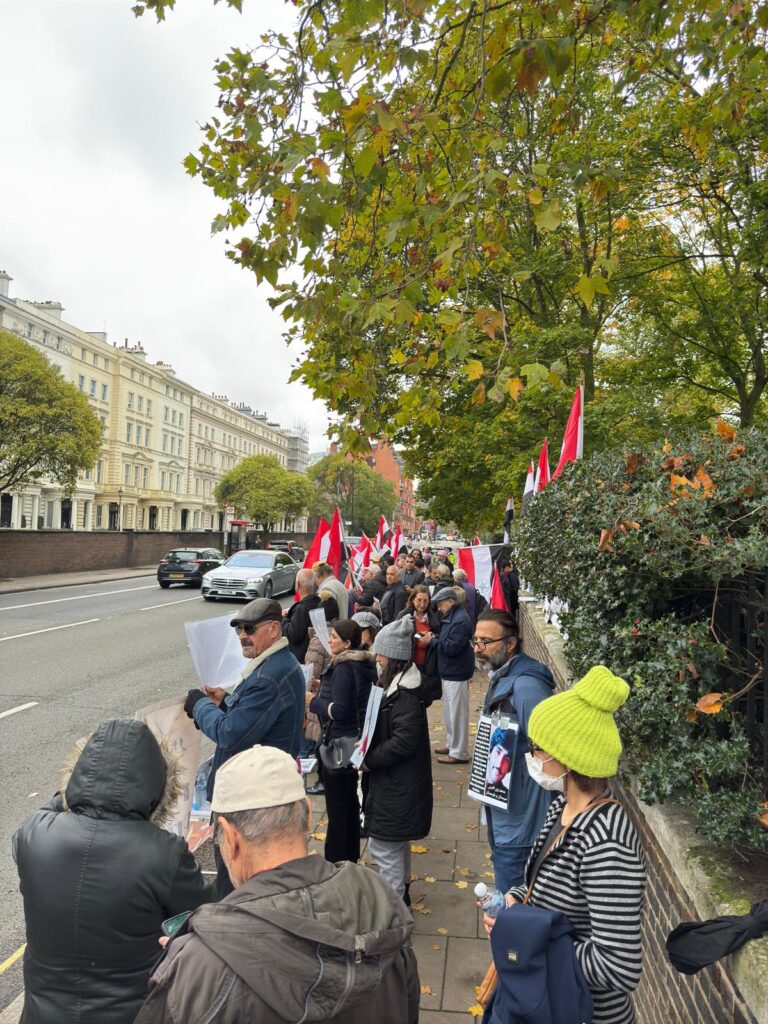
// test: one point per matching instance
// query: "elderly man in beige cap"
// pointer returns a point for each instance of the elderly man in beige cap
(299, 938)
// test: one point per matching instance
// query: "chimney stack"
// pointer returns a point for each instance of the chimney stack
(5, 280)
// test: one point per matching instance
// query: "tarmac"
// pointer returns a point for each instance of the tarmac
(452, 950)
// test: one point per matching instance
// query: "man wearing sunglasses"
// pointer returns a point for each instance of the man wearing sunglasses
(516, 684)
(267, 707)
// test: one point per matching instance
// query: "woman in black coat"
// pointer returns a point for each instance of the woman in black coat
(99, 875)
(340, 705)
(397, 780)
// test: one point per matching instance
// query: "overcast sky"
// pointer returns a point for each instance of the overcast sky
(97, 110)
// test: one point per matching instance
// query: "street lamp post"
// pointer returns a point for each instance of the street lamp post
(119, 508)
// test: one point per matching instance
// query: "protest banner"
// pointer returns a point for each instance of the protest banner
(216, 652)
(369, 725)
(493, 760)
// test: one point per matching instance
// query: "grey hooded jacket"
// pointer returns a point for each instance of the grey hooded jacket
(307, 941)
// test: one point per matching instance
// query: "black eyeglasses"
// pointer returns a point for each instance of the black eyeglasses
(249, 628)
(482, 641)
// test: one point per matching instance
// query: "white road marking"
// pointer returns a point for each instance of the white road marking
(21, 707)
(49, 629)
(80, 597)
(166, 604)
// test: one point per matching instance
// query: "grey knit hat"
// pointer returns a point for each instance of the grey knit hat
(445, 594)
(367, 620)
(395, 640)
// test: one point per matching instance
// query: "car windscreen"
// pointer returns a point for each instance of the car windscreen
(182, 556)
(242, 560)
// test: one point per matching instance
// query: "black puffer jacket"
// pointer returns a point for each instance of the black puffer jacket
(346, 684)
(99, 876)
(397, 786)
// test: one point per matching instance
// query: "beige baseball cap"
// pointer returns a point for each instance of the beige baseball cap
(258, 777)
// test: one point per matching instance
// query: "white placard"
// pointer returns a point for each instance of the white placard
(307, 670)
(216, 652)
(493, 760)
(369, 725)
(168, 721)
(317, 618)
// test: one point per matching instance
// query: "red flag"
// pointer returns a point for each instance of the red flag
(573, 438)
(332, 544)
(383, 536)
(542, 470)
(497, 594)
(475, 541)
(313, 555)
(396, 541)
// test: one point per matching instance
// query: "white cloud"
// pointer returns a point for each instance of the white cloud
(98, 110)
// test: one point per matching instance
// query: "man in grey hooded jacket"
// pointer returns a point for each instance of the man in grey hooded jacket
(299, 939)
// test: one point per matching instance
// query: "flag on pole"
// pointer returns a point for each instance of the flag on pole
(542, 470)
(477, 563)
(475, 540)
(332, 544)
(383, 536)
(573, 438)
(497, 592)
(396, 541)
(528, 491)
(313, 554)
(509, 515)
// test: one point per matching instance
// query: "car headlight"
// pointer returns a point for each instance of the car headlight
(254, 582)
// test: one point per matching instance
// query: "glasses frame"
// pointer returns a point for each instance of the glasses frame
(482, 644)
(249, 628)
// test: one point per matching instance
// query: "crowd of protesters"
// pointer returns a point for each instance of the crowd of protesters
(285, 936)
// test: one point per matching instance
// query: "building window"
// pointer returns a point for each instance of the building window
(149, 407)
(181, 419)
(106, 364)
(83, 353)
(146, 437)
(165, 442)
(165, 414)
(146, 477)
(127, 473)
(133, 374)
(162, 480)
(178, 483)
(93, 388)
(140, 404)
(129, 432)
(141, 378)
(104, 392)
(173, 415)
(136, 476)
(98, 516)
(58, 343)
(81, 382)
(95, 359)
(130, 399)
(99, 472)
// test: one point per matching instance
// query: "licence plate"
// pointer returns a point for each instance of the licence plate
(176, 575)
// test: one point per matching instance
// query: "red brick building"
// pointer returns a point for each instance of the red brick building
(389, 464)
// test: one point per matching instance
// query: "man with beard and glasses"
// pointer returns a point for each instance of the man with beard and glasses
(516, 684)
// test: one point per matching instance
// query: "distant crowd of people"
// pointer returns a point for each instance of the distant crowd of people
(288, 936)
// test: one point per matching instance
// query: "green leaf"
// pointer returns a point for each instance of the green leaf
(365, 162)
(549, 218)
(534, 373)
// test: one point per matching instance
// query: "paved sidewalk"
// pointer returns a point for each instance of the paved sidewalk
(19, 584)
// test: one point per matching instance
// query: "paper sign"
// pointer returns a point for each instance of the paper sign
(308, 765)
(216, 652)
(493, 760)
(369, 725)
(308, 675)
(317, 618)
(168, 721)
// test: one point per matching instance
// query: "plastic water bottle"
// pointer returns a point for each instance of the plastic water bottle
(200, 798)
(491, 900)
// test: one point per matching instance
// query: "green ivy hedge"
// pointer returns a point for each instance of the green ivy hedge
(645, 547)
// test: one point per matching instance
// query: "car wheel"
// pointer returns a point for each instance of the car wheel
(207, 597)
(268, 589)
(164, 584)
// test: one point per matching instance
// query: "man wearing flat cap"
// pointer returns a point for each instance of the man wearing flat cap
(299, 939)
(267, 707)
(456, 665)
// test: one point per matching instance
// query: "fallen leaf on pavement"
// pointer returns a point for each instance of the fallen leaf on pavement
(419, 849)
(426, 990)
(436, 945)
(430, 879)
(461, 885)
(470, 828)
(442, 931)
(319, 836)
(464, 872)
(476, 1010)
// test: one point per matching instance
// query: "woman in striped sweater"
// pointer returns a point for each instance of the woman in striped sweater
(587, 861)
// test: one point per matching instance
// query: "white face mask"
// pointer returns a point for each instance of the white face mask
(554, 783)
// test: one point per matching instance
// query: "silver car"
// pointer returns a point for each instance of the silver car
(250, 574)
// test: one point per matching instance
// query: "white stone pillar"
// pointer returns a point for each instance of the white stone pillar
(74, 510)
(35, 510)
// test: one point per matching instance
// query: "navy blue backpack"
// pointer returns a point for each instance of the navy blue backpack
(540, 979)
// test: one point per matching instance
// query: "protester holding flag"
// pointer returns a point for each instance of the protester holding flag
(327, 581)
(372, 589)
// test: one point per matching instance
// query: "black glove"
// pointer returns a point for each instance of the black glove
(192, 698)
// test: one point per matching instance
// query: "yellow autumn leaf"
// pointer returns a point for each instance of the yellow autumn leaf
(725, 430)
(709, 704)
(474, 369)
(419, 849)
(426, 990)
(320, 836)
(476, 1010)
(319, 167)
(535, 196)
(430, 878)
(442, 931)
(514, 387)
(461, 885)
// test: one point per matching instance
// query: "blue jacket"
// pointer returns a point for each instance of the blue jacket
(524, 684)
(455, 657)
(266, 708)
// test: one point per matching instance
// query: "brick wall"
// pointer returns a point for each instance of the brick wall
(36, 552)
(663, 996)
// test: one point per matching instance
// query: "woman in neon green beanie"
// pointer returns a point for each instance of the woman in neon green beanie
(587, 861)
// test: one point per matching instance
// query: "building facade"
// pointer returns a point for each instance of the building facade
(165, 445)
(388, 463)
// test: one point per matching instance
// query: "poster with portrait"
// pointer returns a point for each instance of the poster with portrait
(493, 760)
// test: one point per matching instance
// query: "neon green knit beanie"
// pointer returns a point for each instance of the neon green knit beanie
(577, 726)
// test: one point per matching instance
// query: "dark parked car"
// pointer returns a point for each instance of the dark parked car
(289, 548)
(250, 574)
(187, 565)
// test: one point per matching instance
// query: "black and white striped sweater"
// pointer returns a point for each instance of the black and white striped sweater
(596, 876)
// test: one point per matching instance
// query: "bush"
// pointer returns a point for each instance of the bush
(647, 548)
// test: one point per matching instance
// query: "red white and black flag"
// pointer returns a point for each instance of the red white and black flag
(529, 488)
(383, 536)
(543, 475)
(573, 438)
(509, 515)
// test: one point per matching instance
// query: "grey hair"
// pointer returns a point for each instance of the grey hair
(459, 574)
(394, 570)
(443, 571)
(264, 825)
(305, 579)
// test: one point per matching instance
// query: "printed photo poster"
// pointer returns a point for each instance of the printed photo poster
(168, 721)
(493, 760)
(369, 725)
